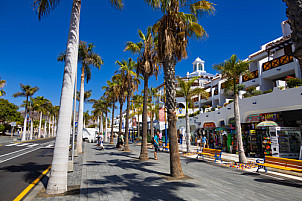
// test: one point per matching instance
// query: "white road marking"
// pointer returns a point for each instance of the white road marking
(19, 155)
(13, 152)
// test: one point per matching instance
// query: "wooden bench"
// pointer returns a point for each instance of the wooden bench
(164, 147)
(279, 163)
(216, 153)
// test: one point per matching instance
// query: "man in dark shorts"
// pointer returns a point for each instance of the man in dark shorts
(156, 144)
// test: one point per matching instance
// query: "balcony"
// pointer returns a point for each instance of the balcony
(285, 59)
(254, 75)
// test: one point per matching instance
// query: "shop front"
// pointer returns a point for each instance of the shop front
(209, 131)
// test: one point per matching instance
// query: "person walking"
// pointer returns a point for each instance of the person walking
(199, 142)
(203, 141)
(156, 145)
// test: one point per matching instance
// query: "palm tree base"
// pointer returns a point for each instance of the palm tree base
(126, 149)
(144, 157)
(111, 142)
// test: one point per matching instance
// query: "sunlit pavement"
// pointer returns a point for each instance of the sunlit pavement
(111, 174)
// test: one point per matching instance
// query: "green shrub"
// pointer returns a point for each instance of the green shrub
(256, 92)
(246, 95)
(2, 128)
(293, 82)
(213, 109)
(268, 91)
(181, 117)
(250, 89)
(231, 101)
(194, 113)
(149, 138)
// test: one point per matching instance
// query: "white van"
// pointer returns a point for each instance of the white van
(90, 134)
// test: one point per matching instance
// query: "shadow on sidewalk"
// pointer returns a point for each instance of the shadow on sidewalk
(279, 182)
(151, 188)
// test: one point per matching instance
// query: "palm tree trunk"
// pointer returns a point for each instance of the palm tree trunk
(188, 135)
(120, 124)
(138, 126)
(151, 125)
(169, 72)
(52, 126)
(31, 129)
(241, 154)
(45, 128)
(49, 122)
(144, 150)
(25, 121)
(40, 125)
(80, 115)
(105, 138)
(112, 119)
(126, 147)
(102, 127)
(57, 182)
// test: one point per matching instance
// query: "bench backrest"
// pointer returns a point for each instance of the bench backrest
(292, 163)
(211, 151)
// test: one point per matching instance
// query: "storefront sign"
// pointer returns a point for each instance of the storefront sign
(269, 117)
(134, 121)
(253, 118)
(209, 125)
(162, 115)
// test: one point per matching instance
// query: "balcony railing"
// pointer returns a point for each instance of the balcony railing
(254, 75)
(285, 59)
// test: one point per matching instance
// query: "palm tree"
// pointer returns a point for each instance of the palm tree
(2, 84)
(186, 91)
(173, 30)
(121, 94)
(138, 103)
(131, 85)
(146, 66)
(87, 57)
(87, 95)
(58, 178)
(294, 14)
(26, 91)
(111, 93)
(153, 108)
(231, 70)
(39, 104)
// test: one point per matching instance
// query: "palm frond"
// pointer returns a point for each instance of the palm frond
(44, 7)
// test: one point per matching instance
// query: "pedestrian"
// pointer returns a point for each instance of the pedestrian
(199, 142)
(98, 137)
(156, 145)
(203, 141)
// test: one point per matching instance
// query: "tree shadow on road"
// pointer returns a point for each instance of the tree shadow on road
(32, 170)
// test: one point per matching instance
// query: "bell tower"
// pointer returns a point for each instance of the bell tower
(198, 65)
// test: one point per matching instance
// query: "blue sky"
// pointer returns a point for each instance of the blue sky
(29, 47)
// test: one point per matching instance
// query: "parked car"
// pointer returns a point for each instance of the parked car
(90, 134)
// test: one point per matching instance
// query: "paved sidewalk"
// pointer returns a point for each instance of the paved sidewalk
(111, 174)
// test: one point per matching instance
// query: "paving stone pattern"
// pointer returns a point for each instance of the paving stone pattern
(114, 175)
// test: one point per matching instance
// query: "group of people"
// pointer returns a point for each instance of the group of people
(201, 142)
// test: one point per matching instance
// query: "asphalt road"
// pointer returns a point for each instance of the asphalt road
(21, 164)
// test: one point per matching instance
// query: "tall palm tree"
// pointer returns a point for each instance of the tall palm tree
(121, 94)
(131, 85)
(87, 57)
(2, 84)
(111, 93)
(231, 70)
(58, 178)
(174, 29)
(294, 14)
(146, 66)
(153, 108)
(138, 103)
(87, 95)
(26, 91)
(186, 91)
